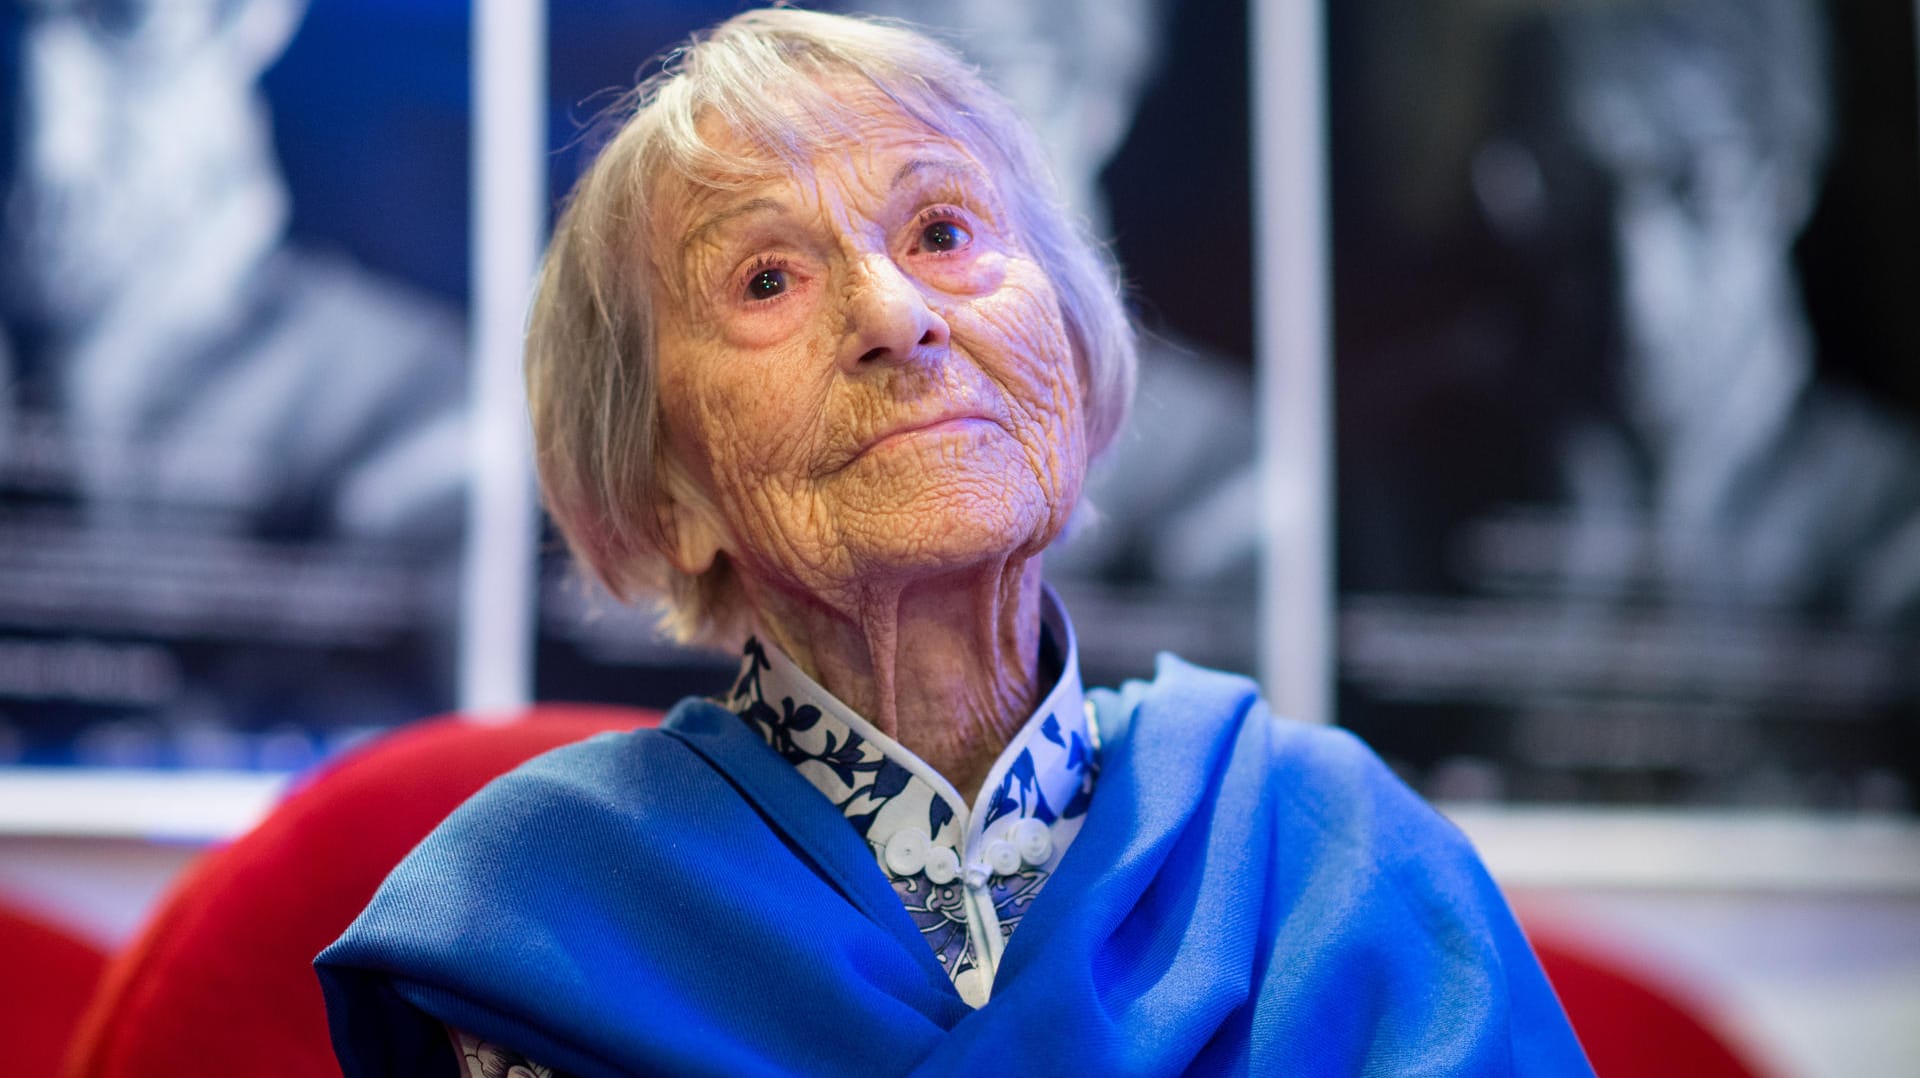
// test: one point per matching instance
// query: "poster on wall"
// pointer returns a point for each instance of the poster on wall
(232, 376)
(1629, 423)
(1164, 557)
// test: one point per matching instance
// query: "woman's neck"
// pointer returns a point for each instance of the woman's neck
(948, 667)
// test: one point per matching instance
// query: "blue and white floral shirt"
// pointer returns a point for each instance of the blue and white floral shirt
(966, 872)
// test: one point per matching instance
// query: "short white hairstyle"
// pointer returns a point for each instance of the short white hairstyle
(590, 357)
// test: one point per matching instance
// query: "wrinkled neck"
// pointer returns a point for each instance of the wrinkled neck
(948, 667)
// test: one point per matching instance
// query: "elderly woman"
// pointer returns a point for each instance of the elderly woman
(817, 358)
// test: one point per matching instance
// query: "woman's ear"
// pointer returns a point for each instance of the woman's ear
(689, 524)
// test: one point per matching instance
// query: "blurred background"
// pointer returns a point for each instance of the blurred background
(1618, 390)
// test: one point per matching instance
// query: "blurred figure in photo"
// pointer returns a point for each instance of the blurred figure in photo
(1717, 469)
(1612, 526)
(224, 460)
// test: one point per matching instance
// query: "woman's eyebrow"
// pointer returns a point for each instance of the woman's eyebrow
(965, 172)
(919, 169)
(713, 224)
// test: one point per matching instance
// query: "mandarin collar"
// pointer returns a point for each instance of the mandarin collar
(906, 810)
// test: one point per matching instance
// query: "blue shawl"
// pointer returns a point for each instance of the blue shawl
(1248, 895)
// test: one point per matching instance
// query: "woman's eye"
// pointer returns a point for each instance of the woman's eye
(944, 236)
(767, 284)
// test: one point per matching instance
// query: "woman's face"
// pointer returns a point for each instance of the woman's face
(863, 373)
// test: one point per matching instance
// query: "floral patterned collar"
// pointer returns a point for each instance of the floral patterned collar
(966, 875)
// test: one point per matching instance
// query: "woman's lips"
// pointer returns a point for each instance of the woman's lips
(950, 424)
(936, 426)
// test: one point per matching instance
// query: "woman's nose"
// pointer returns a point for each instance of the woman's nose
(888, 316)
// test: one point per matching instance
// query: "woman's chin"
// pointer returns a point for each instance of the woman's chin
(951, 530)
(944, 504)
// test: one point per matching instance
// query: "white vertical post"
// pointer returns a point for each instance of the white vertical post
(505, 231)
(1293, 355)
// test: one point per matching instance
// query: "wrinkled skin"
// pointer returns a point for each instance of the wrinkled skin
(872, 410)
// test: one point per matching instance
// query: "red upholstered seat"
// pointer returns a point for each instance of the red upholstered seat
(48, 974)
(220, 982)
(1632, 1022)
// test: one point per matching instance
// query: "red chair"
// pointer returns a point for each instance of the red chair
(220, 981)
(1632, 1022)
(49, 975)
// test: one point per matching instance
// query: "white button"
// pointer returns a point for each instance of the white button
(972, 986)
(976, 875)
(1004, 859)
(943, 865)
(1034, 842)
(907, 851)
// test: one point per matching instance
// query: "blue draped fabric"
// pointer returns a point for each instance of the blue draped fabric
(1248, 896)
